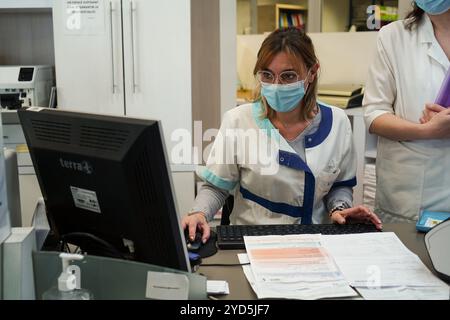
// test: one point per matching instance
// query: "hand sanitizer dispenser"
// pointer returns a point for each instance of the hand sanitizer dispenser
(69, 282)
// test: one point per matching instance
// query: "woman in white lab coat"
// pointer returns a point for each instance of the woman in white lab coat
(311, 169)
(413, 154)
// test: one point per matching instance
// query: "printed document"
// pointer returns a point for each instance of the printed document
(293, 266)
(381, 267)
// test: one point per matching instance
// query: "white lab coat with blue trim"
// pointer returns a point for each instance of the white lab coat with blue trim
(407, 72)
(295, 193)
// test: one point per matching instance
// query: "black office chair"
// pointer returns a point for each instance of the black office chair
(226, 210)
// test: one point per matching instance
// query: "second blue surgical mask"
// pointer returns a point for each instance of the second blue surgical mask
(283, 97)
(434, 7)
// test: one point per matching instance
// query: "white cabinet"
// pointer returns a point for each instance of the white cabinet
(157, 62)
(129, 57)
(89, 69)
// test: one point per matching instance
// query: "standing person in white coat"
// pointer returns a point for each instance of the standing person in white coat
(314, 151)
(413, 154)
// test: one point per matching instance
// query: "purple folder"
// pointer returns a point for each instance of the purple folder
(443, 97)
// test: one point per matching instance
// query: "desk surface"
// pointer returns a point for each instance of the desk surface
(240, 289)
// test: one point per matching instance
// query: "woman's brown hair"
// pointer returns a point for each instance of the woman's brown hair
(413, 18)
(299, 47)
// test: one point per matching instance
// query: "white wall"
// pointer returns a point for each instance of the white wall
(335, 15)
(344, 57)
(247, 49)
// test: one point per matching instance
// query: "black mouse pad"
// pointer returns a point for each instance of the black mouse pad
(209, 248)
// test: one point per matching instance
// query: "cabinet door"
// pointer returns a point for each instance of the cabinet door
(88, 57)
(157, 58)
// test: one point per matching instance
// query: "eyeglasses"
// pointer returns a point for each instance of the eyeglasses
(286, 77)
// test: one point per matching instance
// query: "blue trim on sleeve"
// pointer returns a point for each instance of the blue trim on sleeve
(324, 129)
(277, 207)
(346, 183)
(217, 181)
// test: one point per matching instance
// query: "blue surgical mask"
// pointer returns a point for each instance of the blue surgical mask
(433, 7)
(283, 97)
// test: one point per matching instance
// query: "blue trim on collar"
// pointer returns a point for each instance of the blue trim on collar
(264, 123)
(278, 207)
(292, 160)
(324, 129)
(346, 183)
(311, 140)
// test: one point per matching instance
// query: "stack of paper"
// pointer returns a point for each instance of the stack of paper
(294, 267)
(379, 266)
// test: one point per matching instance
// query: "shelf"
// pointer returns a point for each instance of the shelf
(274, 16)
(292, 7)
(290, 15)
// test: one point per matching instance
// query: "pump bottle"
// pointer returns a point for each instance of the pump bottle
(69, 282)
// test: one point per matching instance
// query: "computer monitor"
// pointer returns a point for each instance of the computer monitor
(106, 184)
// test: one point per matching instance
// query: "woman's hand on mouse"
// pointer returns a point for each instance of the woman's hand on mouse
(196, 221)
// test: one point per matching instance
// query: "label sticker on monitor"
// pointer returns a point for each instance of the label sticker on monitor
(85, 199)
(167, 286)
(35, 109)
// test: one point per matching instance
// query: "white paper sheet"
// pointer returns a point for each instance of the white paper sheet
(406, 293)
(380, 267)
(290, 258)
(296, 290)
(292, 267)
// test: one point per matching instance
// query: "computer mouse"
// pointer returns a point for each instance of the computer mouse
(193, 245)
(197, 246)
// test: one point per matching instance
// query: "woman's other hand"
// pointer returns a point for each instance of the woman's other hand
(438, 127)
(358, 214)
(430, 111)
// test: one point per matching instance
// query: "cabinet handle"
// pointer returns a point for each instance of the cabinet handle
(111, 10)
(132, 10)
